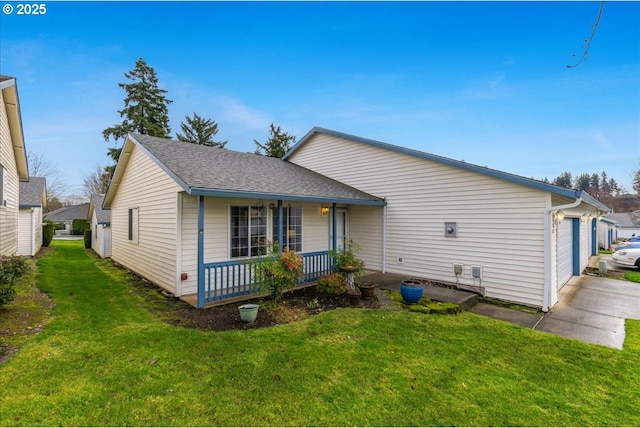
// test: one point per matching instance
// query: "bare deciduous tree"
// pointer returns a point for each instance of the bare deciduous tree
(40, 166)
(95, 182)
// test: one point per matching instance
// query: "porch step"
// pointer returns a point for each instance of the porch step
(464, 299)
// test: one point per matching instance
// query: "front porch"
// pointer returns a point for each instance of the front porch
(234, 280)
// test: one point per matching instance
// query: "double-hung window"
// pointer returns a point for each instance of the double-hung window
(291, 228)
(248, 231)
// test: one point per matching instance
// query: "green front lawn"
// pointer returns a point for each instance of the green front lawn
(105, 360)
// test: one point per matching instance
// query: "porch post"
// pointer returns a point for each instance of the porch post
(334, 226)
(200, 251)
(280, 226)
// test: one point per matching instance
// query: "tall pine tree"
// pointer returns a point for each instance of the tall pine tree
(198, 130)
(277, 145)
(145, 109)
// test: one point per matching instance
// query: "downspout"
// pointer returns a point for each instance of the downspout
(384, 238)
(547, 249)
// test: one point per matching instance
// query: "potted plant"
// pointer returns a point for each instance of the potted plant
(346, 260)
(411, 290)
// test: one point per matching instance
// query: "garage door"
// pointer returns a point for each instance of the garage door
(565, 251)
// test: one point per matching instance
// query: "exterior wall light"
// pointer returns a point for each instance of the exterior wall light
(558, 216)
(324, 211)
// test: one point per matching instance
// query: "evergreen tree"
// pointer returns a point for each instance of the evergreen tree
(145, 107)
(583, 182)
(563, 180)
(636, 181)
(277, 145)
(198, 130)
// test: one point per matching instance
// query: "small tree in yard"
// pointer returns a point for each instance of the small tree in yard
(279, 272)
(277, 145)
(198, 130)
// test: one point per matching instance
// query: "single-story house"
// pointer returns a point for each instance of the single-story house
(13, 164)
(190, 218)
(33, 202)
(64, 217)
(100, 220)
(629, 223)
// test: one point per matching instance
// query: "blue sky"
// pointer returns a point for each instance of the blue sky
(483, 82)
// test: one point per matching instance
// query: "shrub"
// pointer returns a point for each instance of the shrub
(79, 225)
(87, 238)
(48, 230)
(278, 272)
(334, 283)
(10, 269)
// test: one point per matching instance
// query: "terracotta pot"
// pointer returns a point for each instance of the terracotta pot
(367, 289)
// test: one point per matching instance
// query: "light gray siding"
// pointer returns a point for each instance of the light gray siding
(499, 223)
(148, 188)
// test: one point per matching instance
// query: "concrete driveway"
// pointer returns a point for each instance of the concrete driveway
(593, 309)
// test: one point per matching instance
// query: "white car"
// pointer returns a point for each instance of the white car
(627, 257)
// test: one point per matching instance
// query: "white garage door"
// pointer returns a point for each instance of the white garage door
(565, 251)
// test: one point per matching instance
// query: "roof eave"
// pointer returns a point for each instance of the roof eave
(198, 191)
(9, 88)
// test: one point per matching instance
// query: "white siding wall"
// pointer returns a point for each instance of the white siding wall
(365, 226)
(9, 213)
(29, 231)
(25, 232)
(100, 237)
(216, 232)
(146, 187)
(499, 223)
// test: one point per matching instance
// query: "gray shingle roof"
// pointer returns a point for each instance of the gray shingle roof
(210, 170)
(69, 213)
(32, 192)
(103, 216)
(626, 219)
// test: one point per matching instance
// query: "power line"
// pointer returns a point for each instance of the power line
(588, 41)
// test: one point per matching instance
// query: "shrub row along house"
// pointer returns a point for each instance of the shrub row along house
(190, 218)
(22, 198)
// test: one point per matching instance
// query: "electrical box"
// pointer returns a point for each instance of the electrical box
(450, 229)
(476, 272)
(458, 269)
(400, 259)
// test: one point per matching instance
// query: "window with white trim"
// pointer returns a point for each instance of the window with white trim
(133, 225)
(291, 228)
(248, 231)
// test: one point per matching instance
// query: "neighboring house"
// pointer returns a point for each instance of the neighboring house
(100, 220)
(64, 217)
(629, 223)
(190, 217)
(33, 202)
(607, 232)
(13, 164)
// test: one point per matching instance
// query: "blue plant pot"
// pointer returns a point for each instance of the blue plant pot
(411, 293)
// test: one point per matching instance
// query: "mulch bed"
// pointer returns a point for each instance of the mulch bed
(294, 306)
